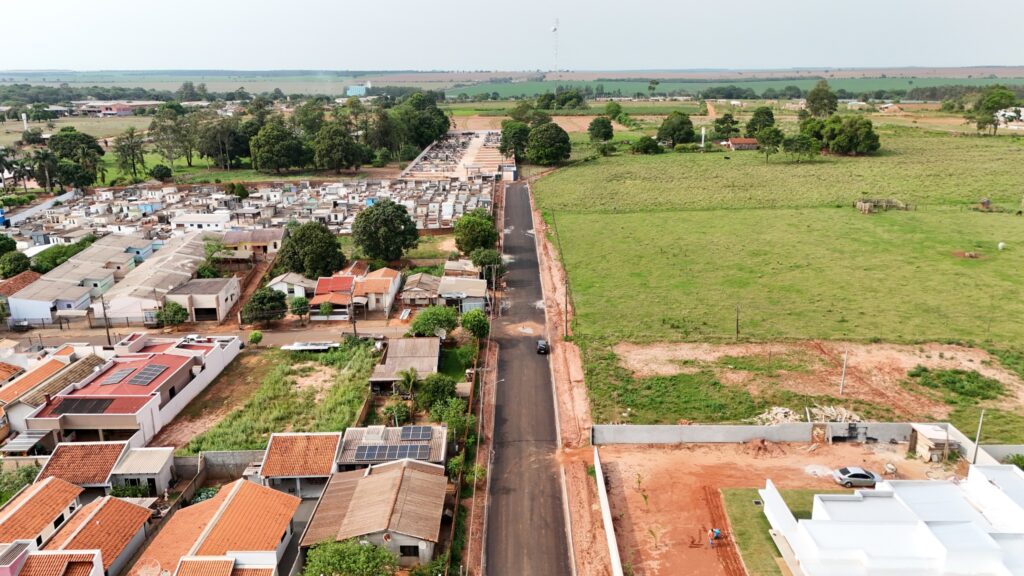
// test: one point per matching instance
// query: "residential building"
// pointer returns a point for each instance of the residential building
(293, 285)
(741, 144)
(926, 528)
(200, 222)
(243, 526)
(398, 505)
(114, 527)
(37, 511)
(420, 354)
(463, 293)
(260, 242)
(377, 290)
(336, 291)
(84, 464)
(300, 463)
(207, 299)
(15, 284)
(461, 268)
(362, 447)
(421, 289)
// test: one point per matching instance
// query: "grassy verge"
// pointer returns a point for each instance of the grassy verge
(277, 405)
(750, 527)
(455, 361)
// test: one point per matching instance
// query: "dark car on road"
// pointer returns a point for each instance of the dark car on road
(543, 347)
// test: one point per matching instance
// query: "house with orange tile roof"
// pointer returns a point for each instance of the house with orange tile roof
(85, 464)
(248, 524)
(113, 526)
(300, 463)
(398, 505)
(379, 288)
(60, 563)
(38, 510)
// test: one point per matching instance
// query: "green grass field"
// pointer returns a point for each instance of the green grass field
(503, 107)
(629, 88)
(750, 527)
(665, 248)
(98, 127)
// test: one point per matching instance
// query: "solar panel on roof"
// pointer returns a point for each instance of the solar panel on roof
(117, 376)
(416, 432)
(82, 406)
(147, 374)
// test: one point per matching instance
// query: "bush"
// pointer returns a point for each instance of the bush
(126, 491)
(687, 147)
(433, 389)
(432, 319)
(646, 145)
(963, 384)
(396, 412)
(14, 480)
(172, 314)
(1015, 459)
(13, 263)
(160, 172)
(255, 337)
(381, 158)
(475, 322)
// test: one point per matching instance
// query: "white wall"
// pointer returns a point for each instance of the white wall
(120, 563)
(28, 309)
(216, 361)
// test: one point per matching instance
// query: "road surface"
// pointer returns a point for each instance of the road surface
(525, 524)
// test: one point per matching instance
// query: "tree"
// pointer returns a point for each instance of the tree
(801, 146)
(264, 305)
(850, 135)
(991, 100)
(677, 128)
(326, 309)
(547, 145)
(349, 558)
(600, 129)
(726, 126)
(309, 116)
(514, 136)
(490, 262)
(299, 306)
(73, 174)
(222, 140)
(130, 152)
(335, 149)
(762, 118)
(407, 380)
(455, 413)
(311, 250)
(612, 110)
(822, 102)
(13, 263)
(45, 165)
(166, 130)
(646, 145)
(475, 322)
(69, 144)
(769, 140)
(160, 172)
(255, 337)
(276, 147)
(172, 314)
(473, 232)
(434, 388)
(433, 319)
(7, 244)
(385, 231)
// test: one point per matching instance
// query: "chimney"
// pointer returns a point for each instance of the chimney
(46, 397)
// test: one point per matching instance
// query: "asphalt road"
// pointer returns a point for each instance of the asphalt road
(526, 524)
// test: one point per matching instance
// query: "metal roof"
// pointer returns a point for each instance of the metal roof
(24, 441)
(143, 461)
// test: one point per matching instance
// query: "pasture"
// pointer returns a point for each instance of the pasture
(11, 130)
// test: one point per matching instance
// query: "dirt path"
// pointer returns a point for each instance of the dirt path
(874, 373)
(711, 110)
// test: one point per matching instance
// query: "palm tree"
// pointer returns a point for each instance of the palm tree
(407, 380)
(22, 170)
(6, 160)
(45, 162)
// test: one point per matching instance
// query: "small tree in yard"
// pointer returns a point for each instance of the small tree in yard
(255, 337)
(349, 558)
(326, 309)
(434, 388)
(407, 380)
(455, 413)
(265, 305)
(489, 261)
(646, 145)
(475, 322)
(472, 232)
(432, 319)
(396, 412)
(13, 263)
(769, 140)
(299, 306)
(172, 314)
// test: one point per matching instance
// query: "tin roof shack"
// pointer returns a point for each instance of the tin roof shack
(207, 299)
(398, 505)
(420, 354)
(420, 290)
(300, 463)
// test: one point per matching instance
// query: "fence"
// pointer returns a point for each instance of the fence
(606, 516)
(11, 463)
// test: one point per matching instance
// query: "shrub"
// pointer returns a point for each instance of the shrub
(646, 145)
(434, 388)
(255, 337)
(160, 172)
(172, 314)
(963, 384)
(434, 318)
(475, 322)
(1015, 459)
(126, 491)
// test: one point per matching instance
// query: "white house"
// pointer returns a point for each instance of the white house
(293, 285)
(207, 299)
(201, 222)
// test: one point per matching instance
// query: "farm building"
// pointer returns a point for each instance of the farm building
(741, 144)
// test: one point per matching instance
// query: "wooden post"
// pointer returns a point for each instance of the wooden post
(842, 379)
(977, 437)
(737, 322)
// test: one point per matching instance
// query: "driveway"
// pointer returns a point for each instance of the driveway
(526, 524)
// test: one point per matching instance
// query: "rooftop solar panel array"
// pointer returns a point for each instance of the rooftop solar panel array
(147, 374)
(378, 453)
(417, 432)
(117, 376)
(82, 406)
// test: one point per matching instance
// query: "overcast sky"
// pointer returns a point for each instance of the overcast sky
(490, 35)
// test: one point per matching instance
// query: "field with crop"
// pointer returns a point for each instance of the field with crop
(722, 247)
(629, 87)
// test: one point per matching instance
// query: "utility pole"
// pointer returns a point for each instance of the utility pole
(737, 321)
(842, 379)
(977, 437)
(106, 319)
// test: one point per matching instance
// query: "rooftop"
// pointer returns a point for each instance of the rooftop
(29, 380)
(14, 284)
(58, 564)
(77, 372)
(377, 444)
(144, 461)
(60, 405)
(83, 463)
(327, 284)
(34, 508)
(296, 455)
(134, 376)
(211, 286)
(405, 497)
(421, 354)
(468, 287)
(107, 524)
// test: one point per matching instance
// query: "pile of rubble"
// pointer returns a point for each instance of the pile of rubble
(780, 415)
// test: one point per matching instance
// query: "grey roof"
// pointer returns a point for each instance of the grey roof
(258, 236)
(389, 436)
(169, 268)
(421, 354)
(141, 461)
(45, 290)
(203, 286)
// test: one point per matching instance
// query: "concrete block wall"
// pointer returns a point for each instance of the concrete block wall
(1002, 451)
(678, 434)
(230, 465)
